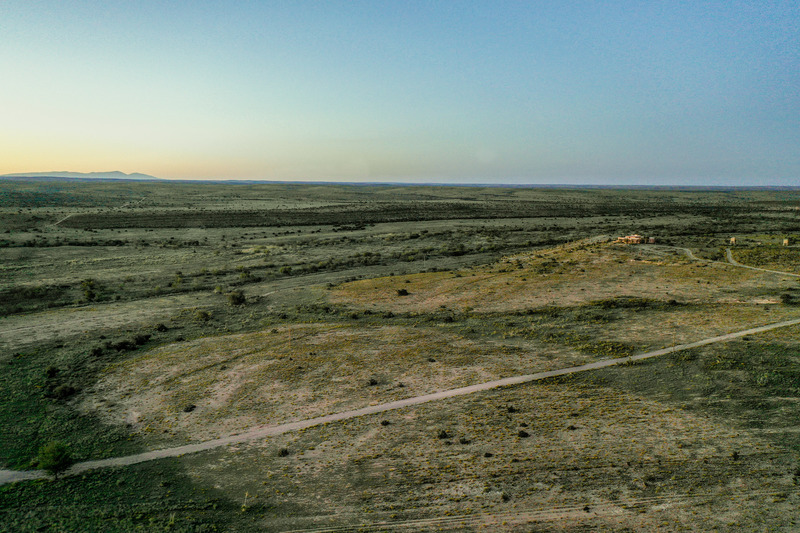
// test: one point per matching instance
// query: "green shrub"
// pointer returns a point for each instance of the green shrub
(54, 457)
(88, 287)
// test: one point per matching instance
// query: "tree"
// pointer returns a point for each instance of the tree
(54, 457)
(88, 289)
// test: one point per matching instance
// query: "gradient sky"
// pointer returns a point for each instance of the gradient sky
(652, 92)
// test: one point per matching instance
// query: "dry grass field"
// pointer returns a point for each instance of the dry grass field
(593, 459)
(565, 453)
(118, 337)
(293, 373)
(569, 276)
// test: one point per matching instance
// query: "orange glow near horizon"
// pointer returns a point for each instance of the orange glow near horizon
(504, 92)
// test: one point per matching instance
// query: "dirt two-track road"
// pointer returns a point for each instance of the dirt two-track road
(10, 476)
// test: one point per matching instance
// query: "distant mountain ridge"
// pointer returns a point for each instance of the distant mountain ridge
(116, 175)
(113, 175)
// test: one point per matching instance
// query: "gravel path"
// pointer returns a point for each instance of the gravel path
(734, 262)
(690, 255)
(9, 476)
(731, 261)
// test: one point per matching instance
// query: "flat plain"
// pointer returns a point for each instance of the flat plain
(138, 316)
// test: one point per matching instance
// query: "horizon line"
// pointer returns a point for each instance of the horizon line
(92, 176)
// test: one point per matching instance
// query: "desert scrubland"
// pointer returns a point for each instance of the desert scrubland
(138, 316)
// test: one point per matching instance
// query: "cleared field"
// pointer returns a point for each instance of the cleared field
(323, 215)
(636, 298)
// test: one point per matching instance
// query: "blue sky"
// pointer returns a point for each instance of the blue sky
(567, 92)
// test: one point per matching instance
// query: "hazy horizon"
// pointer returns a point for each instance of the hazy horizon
(420, 92)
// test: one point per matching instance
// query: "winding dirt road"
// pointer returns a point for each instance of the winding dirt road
(734, 262)
(10, 476)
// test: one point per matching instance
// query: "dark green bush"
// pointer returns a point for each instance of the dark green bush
(54, 457)
(64, 391)
(122, 346)
(236, 298)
